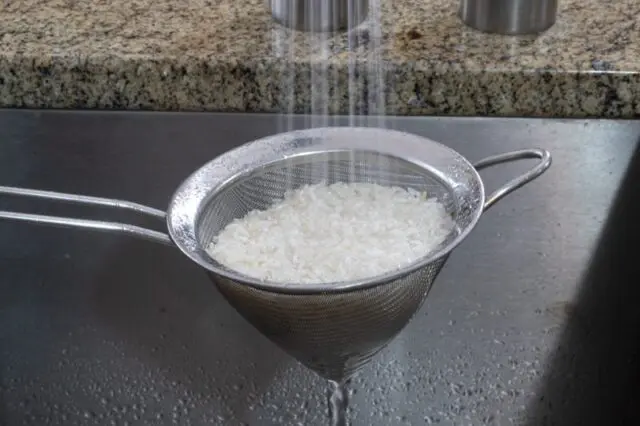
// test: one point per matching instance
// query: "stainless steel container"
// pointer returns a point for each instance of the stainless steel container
(319, 15)
(510, 17)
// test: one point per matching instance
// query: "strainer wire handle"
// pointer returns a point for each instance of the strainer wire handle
(512, 185)
(98, 225)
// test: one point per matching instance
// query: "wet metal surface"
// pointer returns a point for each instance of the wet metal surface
(531, 321)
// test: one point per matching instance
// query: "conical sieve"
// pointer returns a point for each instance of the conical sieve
(332, 328)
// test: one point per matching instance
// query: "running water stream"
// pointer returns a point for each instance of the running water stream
(365, 97)
(338, 397)
(320, 71)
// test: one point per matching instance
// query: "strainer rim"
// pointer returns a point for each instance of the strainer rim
(192, 251)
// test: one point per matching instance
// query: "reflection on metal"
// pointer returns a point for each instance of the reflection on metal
(509, 17)
(319, 15)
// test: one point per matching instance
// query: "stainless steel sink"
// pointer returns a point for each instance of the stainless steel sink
(531, 321)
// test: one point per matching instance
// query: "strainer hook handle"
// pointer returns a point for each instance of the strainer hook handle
(96, 225)
(545, 161)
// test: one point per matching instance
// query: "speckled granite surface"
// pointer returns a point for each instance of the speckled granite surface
(228, 55)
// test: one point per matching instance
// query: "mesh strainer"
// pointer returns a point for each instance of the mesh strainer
(331, 328)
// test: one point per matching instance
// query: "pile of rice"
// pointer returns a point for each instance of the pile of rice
(330, 233)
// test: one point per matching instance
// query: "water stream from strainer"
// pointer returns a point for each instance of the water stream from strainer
(338, 397)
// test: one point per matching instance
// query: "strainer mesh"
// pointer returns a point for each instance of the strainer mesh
(333, 333)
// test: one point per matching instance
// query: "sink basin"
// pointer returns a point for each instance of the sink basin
(593, 375)
(530, 322)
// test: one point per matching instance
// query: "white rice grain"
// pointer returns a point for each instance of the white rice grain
(331, 233)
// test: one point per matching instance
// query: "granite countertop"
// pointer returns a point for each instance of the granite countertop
(229, 55)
